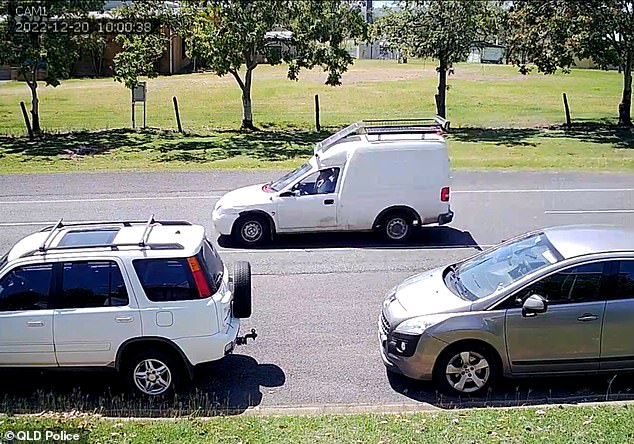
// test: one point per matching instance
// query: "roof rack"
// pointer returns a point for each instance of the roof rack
(386, 126)
(142, 243)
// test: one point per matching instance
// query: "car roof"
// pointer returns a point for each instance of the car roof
(578, 240)
(160, 241)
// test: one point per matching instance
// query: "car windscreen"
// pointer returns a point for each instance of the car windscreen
(495, 269)
(291, 177)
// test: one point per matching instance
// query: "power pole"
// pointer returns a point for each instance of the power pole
(370, 19)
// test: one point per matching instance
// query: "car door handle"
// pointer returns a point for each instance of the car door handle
(329, 201)
(587, 317)
(35, 323)
(124, 319)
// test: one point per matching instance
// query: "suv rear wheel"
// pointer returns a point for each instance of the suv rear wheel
(152, 372)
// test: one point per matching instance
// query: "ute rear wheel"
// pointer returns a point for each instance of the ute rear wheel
(397, 227)
(251, 230)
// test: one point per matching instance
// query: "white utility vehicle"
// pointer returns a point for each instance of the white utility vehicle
(389, 176)
(151, 299)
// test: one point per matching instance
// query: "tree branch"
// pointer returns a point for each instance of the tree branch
(237, 77)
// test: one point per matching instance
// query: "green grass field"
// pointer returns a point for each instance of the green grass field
(480, 97)
(605, 424)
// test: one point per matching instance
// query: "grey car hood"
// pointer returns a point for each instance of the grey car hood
(426, 293)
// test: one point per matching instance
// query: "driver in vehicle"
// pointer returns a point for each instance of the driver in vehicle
(326, 181)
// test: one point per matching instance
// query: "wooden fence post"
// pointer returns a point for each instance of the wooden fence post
(317, 123)
(178, 116)
(26, 120)
(567, 108)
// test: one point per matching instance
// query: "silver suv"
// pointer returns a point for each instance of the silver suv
(555, 301)
(151, 299)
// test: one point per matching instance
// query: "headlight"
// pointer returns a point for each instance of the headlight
(416, 326)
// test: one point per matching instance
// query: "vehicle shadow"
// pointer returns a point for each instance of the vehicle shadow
(524, 392)
(227, 387)
(427, 237)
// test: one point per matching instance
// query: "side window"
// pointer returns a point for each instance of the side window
(89, 284)
(321, 182)
(26, 288)
(625, 280)
(577, 284)
(166, 279)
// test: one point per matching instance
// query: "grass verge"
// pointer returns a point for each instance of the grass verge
(561, 425)
(590, 146)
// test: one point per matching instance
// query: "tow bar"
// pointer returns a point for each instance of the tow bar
(242, 340)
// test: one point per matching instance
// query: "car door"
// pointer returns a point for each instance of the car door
(94, 313)
(26, 319)
(617, 344)
(313, 208)
(567, 337)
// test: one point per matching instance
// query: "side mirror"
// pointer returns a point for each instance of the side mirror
(533, 305)
(293, 193)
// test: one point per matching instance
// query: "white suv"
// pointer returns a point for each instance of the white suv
(151, 299)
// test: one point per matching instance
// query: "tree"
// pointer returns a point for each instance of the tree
(551, 33)
(140, 52)
(228, 35)
(442, 29)
(34, 52)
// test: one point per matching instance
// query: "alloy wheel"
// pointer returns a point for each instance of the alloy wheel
(468, 372)
(152, 377)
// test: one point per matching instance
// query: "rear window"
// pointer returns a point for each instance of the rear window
(165, 280)
(172, 279)
(213, 265)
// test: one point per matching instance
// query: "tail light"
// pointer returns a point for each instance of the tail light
(199, 278)
(444, 194)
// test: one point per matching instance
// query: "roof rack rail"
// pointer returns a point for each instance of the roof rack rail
(125, 223)
(112, 247)
(142, 243)
(385, 126)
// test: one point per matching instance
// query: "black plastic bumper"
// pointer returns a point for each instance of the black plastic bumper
(445, 218)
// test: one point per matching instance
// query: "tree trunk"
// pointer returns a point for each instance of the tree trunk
(35, 103)
(625, 107)
(441, 97)
(247, 113)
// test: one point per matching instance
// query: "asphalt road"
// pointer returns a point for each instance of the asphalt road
(317, 298)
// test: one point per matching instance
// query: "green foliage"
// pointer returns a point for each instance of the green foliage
(551, 33)
(227, 35)
(140, 52)
(443, 30)
(33, 52)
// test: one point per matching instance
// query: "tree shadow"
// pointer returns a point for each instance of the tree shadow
(523, 392)
(602, 131)
(226, 387)
(168, 146)
(427, 237)
(499, 136)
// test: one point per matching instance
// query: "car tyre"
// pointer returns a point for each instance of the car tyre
(153, 373)
(466, 369)
(397, 227)
(242, 305)
(252, 230)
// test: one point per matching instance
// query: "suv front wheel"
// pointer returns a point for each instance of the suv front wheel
(152, 373)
